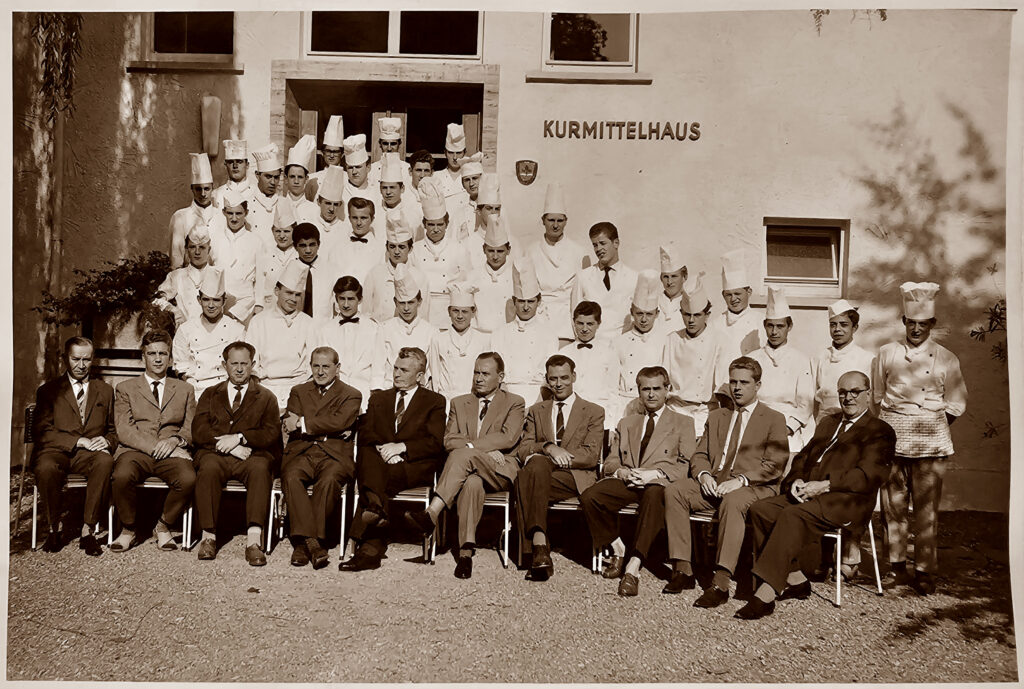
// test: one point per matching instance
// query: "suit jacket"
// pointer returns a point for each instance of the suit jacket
(257, 419)
(422, 427)
(584, 437)
(762, 453)
(141, 424)
(58, 425)
(856, 466)
(500, 429)
(327, 419)
(669, 449)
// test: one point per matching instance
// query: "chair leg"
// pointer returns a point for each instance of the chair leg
(341, 533)
(268, 534)
(504, 539)
(874, 558)
(21, 491)
(839, 568)
(35, 515)
(110, 525)
(186, 528)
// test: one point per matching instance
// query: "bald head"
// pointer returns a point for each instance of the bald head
(854, 393)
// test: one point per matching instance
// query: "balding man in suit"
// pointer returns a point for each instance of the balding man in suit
(740, 458)
(833, 484)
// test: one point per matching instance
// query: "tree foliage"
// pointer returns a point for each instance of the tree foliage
(996, 316)
(59, 37)
(577, 37)
(819, 15)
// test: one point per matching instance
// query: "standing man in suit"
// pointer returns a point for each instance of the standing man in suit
(483, 430)
(153, 413)
(646, 456)
(400, 445)
(559, 452)
(74, 432)
(320, 421)
(832, 484)
(237, 434)
(740, 458)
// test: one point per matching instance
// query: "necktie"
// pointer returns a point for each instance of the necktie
(238, 398)
(322, 389)
(559, 424)
(843, 425)
(307, 303)
(483, 410)
(648, 432)
(352, 319)
(81, 400)
(400, 407)
(156, 392)
(734, 442)
(607, 278)
(353, 238)
(584, 345)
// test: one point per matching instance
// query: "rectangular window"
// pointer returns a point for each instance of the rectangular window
(590, 42)
(807, 255)
(194, 33)
(410, 34)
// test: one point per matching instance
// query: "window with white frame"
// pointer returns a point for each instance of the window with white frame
(807, 255)
(396, 33)
(576, 41)
(200, 36)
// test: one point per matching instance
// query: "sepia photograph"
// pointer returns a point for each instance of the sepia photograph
(419, 344)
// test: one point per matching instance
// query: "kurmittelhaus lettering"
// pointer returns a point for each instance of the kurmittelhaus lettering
(611, 129)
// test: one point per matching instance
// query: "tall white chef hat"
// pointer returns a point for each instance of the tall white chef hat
(284, 214)
(355, 149)
(554, 200)
(233, 198)
(397, 229)
(778, 307)
(839, 307)
(390, 128)
(432, 200)
(472, 165)
(302, 152)
(490, 190)
(694, 298)
(647, 291)
(524, 279)
(495, 231)
(734, 270)
(406, 288)
(268, 159)
(460, 294)
(670, 259)
(212, 283)
(919, 299)
(198, 234)
(391, 168)
(201, 173)
(235, 149)
(334, 134)
(293, 276)
(455, 139)
(332, 183)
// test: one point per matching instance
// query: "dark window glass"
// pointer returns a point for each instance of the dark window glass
(350, 32)
(438, 33)
(804, 254)
(578, 37)
(194, 32)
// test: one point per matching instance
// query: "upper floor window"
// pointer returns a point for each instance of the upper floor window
(193, 33)
(580, 41)
(397, 33)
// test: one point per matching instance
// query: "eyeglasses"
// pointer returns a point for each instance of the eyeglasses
(390, 144)
(856, 392)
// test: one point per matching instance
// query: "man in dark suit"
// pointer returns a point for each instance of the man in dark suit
(559, 453)
(320, 421)
(483, 430)
(833, 484)
(648, 453)
(153, 413)
(399, 446)
(74, 432)
(740, 458)
(237, 434)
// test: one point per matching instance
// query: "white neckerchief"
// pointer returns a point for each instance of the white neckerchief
(837, 355)
(775, 354)
(268, 202)
(732, 318)
(522, 325)
(495, 274)
(922, 350)
(437, 249)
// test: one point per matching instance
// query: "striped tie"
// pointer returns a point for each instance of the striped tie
(400, 407)
(80, 397)
(559, 425)
(483, 410)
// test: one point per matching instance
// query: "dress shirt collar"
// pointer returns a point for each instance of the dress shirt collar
(568, 401)
(749, 409)
(150, 379)
(408, 395)
(850, 423)
(75, 383)
(923, 349)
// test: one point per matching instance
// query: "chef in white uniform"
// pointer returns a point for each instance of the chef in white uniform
(333, 150)
(330, 213)
(639, 346)
(237, 249)
(394, 194)
(841, 356)
(270, 262)
(283, 336)
(356, 338)
(488, 202)
(439, 254)
(408, 328)
(390, 141)
(363, 248)
(265, 198)
(462, 207)
(557, 260)
(450, 179)
(182, 284)
(236, 162)
(493, 280)
(527, 342)
(379, 289)
(296, 176)
(200, 212)
(198, 347)
(595, 361)
(787, 379)
(609, 282)
(357, 171)
(673, 275)
(453, 351)
(740, 327)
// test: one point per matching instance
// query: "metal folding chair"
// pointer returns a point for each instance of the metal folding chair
(502, 499)
(236, 486)
(279, 508)
(420, 495)
(186, 517)
(838, 535)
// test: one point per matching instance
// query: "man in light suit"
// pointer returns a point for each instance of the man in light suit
(559, 453)
(646, 455)
(399, 446)
(237, 434)
(833, 483)
(74, 432)
(320, 422)
(483, 430)
(153, 413)
(740, 459)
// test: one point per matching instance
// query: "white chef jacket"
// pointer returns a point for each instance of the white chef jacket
(182, 222)
(261, 216)
(452, 357)
(360, 349)
(333, 238)
(449, 182)
(668, 312)
(829, 366)
(614, 304)
(594, 368)
(373, 177)
(237, 253)
(738, 335)
(199, 351)
(379, 291)
(787, 386)
(357, 258)
(556, 268)
(633, 351)
(525, 346)
(493, 297)
(244, 188)
(303, 208)
(692, 365)
(396, 334)
(269, 265)
(284, 344)
(443, 262)
(182, 285)
(909, 379)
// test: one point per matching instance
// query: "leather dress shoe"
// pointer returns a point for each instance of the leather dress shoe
(359, 562)
(613, 570)
(542, 566)
(54, 542)
(923, 583)
(628, 585)
(800, 591)
(680, 582)
(464, 567)
(755, 609)
(90, 545)
(300, 555)
(371, 518)
(207, 549)
(317, 555)
(254, 556)
(420, 521)
(711, 598)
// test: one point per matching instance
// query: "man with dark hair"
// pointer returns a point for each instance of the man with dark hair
(265, 197)
(399, 446)
(559, 452)
(609, 282)
(483, 430)
(646, 456)
(153, 413)
(356, 338)
(421, 166)
(301, 161)
(739, 459)
(74, 432)
(364, 247)
(595, 361)
(237, 435)
(319, 298)
(320, 421)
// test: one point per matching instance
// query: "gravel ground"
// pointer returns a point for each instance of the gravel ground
(149, 615)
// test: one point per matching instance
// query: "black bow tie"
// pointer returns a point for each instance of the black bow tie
(584, 345)
(353, 238)
(353, 319)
